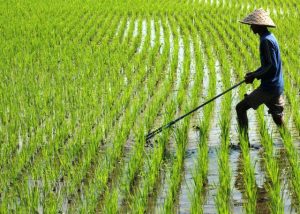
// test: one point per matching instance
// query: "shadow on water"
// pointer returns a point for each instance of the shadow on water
(291, 205)
(239, 194)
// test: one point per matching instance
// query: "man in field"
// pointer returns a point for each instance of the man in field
(270, 73)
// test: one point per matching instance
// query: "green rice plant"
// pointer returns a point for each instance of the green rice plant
(293, 159)
(200, 173)
(201, 169)
(248, 176)
(111, 201)
(153, 162)
(224, 190)
(181, 134)
(274, 189)
(223, 196)
(175, 179)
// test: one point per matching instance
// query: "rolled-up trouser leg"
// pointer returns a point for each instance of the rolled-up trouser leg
(276, 107)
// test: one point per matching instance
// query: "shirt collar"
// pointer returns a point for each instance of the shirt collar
(265, 34)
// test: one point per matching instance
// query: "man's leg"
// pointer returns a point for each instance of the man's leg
(278, 119)
(241, 110)
(276, 107)
(253, 100)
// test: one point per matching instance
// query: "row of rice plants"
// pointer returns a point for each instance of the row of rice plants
(201, 169)
(181, 132)
(248, 170)
(135, 165)
(153, 162)
(293, 158)
(147, 184)
(274, 186)
(290, 59)
(224, 190)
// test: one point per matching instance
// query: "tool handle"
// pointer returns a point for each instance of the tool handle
(160, 129)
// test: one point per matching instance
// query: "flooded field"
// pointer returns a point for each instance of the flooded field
(83, 83)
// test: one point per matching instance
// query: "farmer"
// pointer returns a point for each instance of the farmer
(270, 73)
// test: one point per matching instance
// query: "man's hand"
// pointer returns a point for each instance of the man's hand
(249, 77)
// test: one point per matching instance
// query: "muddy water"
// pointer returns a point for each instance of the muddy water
(172, 146)
(152, 33)
(180, 62)
(126, 28)
(193, 137)
(284, 168)
(161, 37)
(187, 182)
(156, 202)
(286, 187)
(214, 144)
(192, 66)
(144, 33)
(118, 27)
(135, 30)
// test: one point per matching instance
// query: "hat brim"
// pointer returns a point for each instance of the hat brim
(259, 24)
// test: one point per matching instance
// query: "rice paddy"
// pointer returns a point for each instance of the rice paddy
(83, 82)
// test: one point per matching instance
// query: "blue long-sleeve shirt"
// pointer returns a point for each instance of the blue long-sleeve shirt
(270, 72)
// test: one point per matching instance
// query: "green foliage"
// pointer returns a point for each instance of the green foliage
(83, 82)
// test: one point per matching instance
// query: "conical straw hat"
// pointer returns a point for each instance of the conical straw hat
(259, 17)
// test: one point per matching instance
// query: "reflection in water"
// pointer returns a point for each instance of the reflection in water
(262, 196)
(291, 205)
